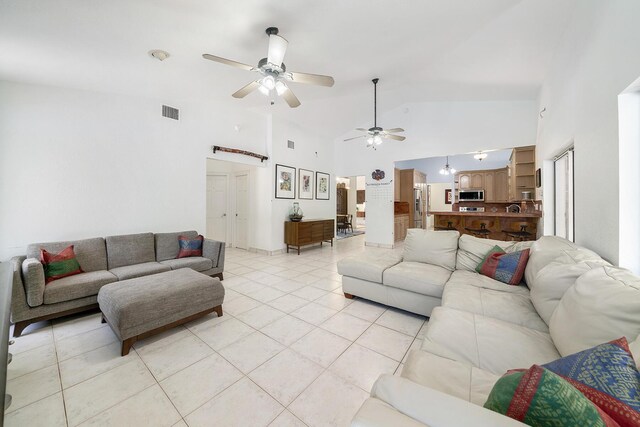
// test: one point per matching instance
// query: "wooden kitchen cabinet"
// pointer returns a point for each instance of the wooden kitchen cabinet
(464, 181)
(489, 186)
(396, 185)
(494, 182)
(501, 185)
(400, 227)
(477, 180)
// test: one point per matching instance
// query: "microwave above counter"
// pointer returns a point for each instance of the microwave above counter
(471, 196)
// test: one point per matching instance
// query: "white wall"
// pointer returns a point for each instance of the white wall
(437, 197)
(596, 61)
(432, 129)
(311, 152)
(77, 164)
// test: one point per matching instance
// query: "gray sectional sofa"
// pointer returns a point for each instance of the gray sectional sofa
(103, 261)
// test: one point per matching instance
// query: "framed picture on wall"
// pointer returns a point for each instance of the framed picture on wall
(305, 184)
(285, 182)
(448, 198)
(322, 186)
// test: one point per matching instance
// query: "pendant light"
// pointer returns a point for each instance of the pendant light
(447, 170)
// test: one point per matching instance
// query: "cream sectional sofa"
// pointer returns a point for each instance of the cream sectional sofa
(572, 300)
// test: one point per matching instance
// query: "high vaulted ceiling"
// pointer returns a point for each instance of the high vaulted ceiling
(422, 50)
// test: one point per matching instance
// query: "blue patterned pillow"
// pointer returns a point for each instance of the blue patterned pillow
(507, 268)
(606, 375)
(190, 247)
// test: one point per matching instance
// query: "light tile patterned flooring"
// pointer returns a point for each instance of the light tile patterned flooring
(290, 350)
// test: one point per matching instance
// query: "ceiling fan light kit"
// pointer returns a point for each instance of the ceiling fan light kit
(375, 135)
(273, 72)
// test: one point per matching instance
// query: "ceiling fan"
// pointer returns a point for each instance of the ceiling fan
(273, 73)
(375, 134)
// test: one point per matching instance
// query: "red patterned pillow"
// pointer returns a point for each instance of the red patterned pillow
(57, 266)
(190, 247)
(505, 267)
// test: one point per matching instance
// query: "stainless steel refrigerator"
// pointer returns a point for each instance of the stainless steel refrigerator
(418, 207)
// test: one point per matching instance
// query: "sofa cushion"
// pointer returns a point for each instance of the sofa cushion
(453, 377)
(538, 397)
(606, 375)
(602, 305)
(77, 286)
(130, 249)
(167, 246)
(139, 270)
(553, 281)
(431, 247)
(463, 277)
(417, 277)
(194, 263)
(91, 253)
(510, 307)
(190, 246)
(472, 250)
(504, 267)
(368, 266)
(490, 344)
(59, 265)
(540, 259)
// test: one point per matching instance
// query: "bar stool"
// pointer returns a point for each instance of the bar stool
(480, 228)
(451, 224)
(518, 235)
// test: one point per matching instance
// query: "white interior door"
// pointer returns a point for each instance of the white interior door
(217, 187)
(242, 211)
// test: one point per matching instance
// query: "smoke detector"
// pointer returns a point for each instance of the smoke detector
(158, 54)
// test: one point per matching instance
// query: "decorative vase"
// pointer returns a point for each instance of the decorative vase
(295, 213)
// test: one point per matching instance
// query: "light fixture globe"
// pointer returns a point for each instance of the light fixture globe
(377, 139)
(268, 82)
(480, 156)
(447, 170)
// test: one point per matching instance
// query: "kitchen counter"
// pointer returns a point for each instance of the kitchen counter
(491, 214)
(498, 224)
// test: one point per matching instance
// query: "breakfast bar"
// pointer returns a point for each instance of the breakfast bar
(490, 225)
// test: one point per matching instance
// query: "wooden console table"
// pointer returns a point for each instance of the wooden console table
(308, 232)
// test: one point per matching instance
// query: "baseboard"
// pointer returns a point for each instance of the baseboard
(379, 245)
(265, 252)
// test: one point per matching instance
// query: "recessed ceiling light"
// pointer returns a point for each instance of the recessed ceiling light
(158, 54)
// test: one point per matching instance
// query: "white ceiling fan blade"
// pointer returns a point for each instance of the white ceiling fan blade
(362, 129)
(394, 130)
(291, 99)
(312, 79)
(241, 93)
(227, 62)
(355, 137)
(277, 49)
(396, 137)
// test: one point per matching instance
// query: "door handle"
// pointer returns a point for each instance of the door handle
(224, 215)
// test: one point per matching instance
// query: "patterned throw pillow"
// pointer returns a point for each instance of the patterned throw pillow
(505, 267)
(540, 398)
(606, 375)
(57, 266)
(190, 247)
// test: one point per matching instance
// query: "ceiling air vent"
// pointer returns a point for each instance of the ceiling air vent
(170, 112)
(291, 144)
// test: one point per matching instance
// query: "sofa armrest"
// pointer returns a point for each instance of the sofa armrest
(434, 408)
(214, 250)
(33, 278)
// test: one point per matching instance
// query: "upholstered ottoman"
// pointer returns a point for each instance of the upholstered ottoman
(140, 307)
